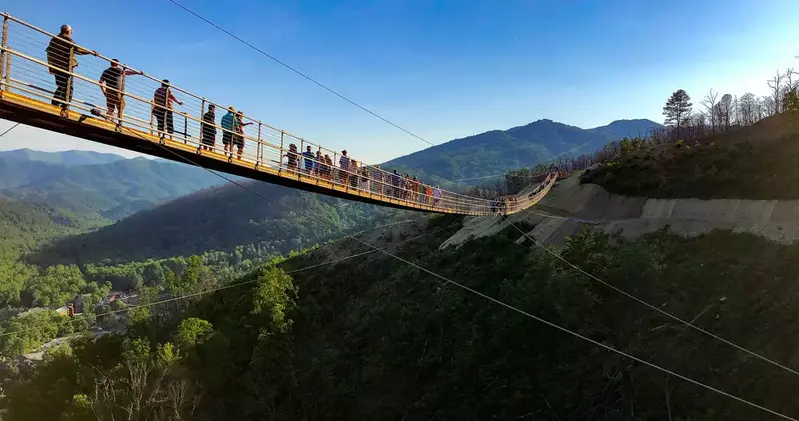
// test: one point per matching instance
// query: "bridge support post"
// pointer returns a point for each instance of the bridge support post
(280, 158)
(5, 58)
(70, 82)
(260, 156)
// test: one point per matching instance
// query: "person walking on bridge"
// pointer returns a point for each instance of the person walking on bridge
(209, 128)
(112, 83)
(436, 196)
(308, 160)
(61, 54)
(344, 168)
(227, 129)
(162, 108)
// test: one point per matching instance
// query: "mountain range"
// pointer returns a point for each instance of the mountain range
(221, 218)
(497, 151)
(103, 187)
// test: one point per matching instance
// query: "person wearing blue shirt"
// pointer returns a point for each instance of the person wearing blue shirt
(227, 126)
(309, 160)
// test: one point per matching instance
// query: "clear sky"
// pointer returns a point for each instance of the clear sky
(442, 69)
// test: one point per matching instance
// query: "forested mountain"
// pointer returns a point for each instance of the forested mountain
(227, 217)
(83, 183)
(15, 172)
(372, 338)
(497, 151)
(220, 219)
(25, 227)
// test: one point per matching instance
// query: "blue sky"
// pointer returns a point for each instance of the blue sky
(442, 69)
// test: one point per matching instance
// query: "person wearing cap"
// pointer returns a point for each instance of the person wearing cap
(344, 168)
(61, 52)
(112, 83)
(227, 129)
(162, 107)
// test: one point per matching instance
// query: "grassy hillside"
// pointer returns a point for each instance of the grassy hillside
(754, 162)
(114, 190)
(219, 219)
(498, 151)
(372, 338)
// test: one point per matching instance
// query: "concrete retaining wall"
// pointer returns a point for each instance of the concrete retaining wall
(777, 220)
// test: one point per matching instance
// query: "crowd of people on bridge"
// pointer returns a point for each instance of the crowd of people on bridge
(349, 173)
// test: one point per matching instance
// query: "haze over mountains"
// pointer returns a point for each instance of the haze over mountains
(102, 188)
(497, 151)
(97, 186)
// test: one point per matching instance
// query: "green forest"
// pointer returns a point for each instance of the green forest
(373, 338)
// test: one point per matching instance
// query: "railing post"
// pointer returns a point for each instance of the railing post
(121, 96)
(68, 94)
(5, 58)
(260, 146)
(336, 171)
(301, 158)
(280, 158)
(202, 128)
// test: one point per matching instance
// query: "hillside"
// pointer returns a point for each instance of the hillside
(24, 226)
(497, 151)
(63, 158)
(111, 190)
(15, 172)
(24, 166)
(753, 162)
(373, 338)
(220, 218)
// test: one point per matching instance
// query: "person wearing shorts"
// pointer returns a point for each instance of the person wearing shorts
(112, 83)
(227, 129)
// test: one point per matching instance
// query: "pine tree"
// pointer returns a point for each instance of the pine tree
(678, 110)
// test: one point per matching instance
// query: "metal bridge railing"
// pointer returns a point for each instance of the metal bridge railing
(26, 70)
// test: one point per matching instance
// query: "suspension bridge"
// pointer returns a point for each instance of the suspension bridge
(50, 82)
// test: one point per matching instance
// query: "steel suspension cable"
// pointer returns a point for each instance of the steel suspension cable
(305, 76)
(657, 309)
(235, 284)
(506, 305)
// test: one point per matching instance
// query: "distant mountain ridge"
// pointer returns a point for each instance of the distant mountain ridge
(65, 158)
(100, 187)
(497, 151)
(225, 217)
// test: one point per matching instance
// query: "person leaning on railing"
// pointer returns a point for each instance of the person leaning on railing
(238, 135)
(162, 108)
(112, 87)
(61, 52)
